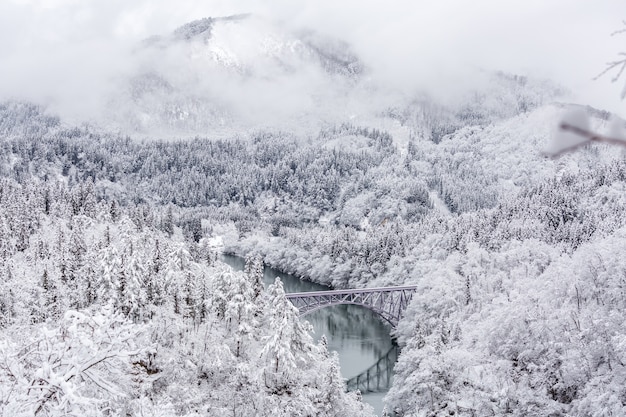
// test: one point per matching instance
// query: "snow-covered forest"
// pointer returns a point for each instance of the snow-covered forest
(113, 301)
(104, 310)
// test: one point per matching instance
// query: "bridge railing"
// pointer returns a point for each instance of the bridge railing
(349, 291)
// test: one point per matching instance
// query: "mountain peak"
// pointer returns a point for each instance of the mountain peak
(202, 28)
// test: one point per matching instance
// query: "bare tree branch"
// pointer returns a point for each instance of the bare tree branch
(589, 135)
(617, 32)
(620, 64)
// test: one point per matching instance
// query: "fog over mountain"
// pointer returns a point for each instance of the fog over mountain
(237, 72)
(145, 68)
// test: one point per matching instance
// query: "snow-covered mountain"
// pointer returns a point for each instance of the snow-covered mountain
(234, 73)
(219, 76)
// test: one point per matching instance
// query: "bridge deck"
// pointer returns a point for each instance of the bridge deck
(349, 291)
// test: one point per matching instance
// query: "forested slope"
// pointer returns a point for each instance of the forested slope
(108, 308)
(517, 260)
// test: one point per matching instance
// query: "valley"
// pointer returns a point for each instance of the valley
(241, 136)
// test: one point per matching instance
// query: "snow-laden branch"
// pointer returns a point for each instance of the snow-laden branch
(82, 362)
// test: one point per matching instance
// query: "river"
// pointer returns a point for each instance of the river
(356, 333)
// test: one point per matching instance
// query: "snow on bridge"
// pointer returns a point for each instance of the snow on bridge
(388, 302)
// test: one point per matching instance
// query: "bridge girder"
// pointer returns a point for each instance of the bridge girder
(388, 302)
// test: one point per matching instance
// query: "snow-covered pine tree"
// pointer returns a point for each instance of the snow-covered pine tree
(289, 346)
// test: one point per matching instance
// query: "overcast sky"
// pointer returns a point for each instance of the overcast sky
(51, 48)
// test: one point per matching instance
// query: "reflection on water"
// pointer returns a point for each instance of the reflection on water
(378, 377)
(356, 333)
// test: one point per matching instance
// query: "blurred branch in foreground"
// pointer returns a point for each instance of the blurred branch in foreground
(574, 132)
(588, 135)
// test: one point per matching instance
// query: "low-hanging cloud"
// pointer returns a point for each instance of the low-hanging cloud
(70, 54)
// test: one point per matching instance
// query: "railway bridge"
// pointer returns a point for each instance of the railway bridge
(388, 302)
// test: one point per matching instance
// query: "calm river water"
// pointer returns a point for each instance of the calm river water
(356, 333)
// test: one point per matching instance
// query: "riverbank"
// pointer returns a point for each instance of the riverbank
(357, 334)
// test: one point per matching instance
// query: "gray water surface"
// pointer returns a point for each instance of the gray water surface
(356, 333)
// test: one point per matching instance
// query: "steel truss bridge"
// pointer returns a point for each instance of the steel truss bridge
(388, 302)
